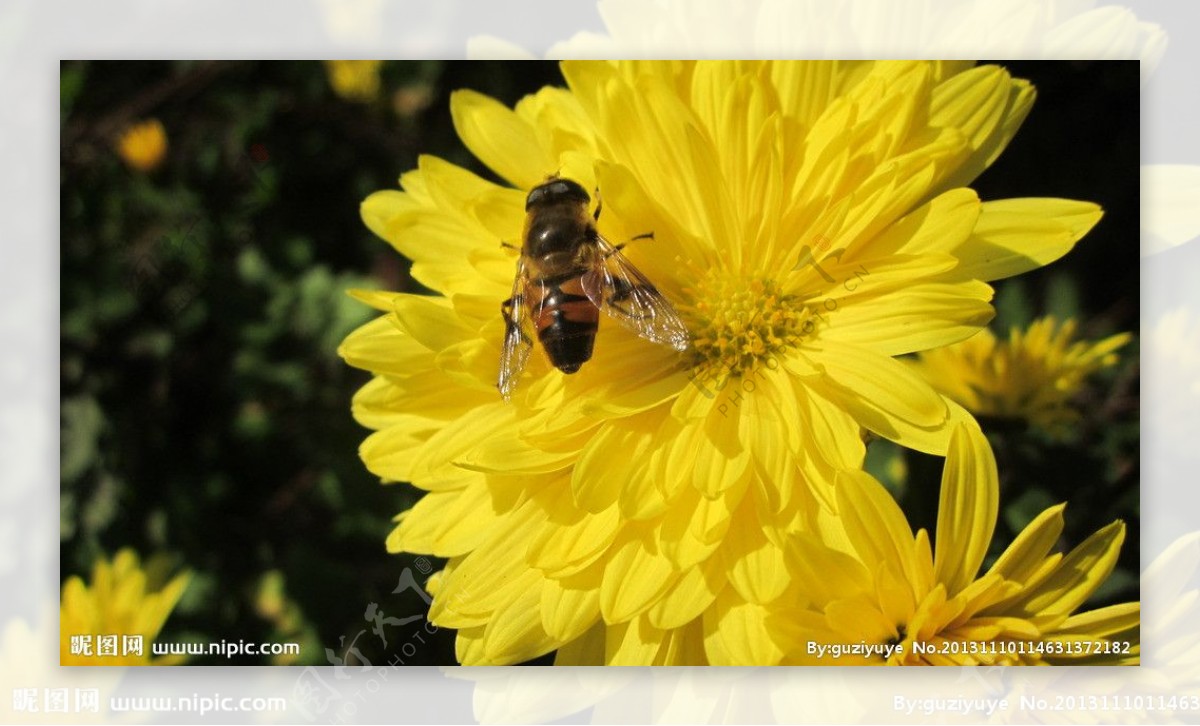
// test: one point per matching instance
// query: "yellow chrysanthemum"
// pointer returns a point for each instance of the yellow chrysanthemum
(1032, 376)
(866, 580)
(354, 80)
(143, 146)
(122, 600)
(810, 224)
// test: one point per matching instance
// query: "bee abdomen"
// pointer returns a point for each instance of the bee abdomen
(567, 326)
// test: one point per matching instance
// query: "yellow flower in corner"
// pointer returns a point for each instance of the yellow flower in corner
(1034, 375)
(143, 146)
(870, 582)
(811, 222)
(122, 599)
(354, 80)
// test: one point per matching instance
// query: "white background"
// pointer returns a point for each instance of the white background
(35, 35)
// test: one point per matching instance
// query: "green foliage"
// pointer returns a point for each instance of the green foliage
(205, 411)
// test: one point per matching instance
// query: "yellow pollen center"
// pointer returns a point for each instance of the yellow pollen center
(738, 325)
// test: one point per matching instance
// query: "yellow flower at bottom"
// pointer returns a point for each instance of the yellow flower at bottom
(811, 224)
(121, 600)
(1032, 376)
(144, 145)
(869, 582)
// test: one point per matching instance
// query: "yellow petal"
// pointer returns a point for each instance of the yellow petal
(805, 87)
(690, 596)
(683, 647)
(599, 477)
(563, 127)
(873, 521)
(877, 388)
(446, 524)
(1025, 555)
(515, 633)
(1014, 628)
(1083, 570)
(860, 279)
(834, 439)
(569, 607)
(979, 595)
(641, 498)
(967, 509)
(634, 578)
(500, 138)
(918, 317)
(468, 645)
(438, 238)
(821, 574)
(382, 300)
(693, 526)
(1014, 236)
(856, 621)
(657, 378)
(489, 577)
(634, 642)
(938, 226)
(1104, 622)
(673, 459)
(587, 649)
(382, 348)
(431, 321)
(735, 633)
(381, 209)
(716, 471)
(895, 595)
(890, 193)
(387, 453)
(510, 455)
(987, 106)
(572, 539)
(756, 566)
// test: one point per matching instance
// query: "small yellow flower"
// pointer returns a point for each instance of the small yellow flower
(1033, 376)
(868, 580)
(143, 146)
(812, 222)
(123, 599)
(354, 80)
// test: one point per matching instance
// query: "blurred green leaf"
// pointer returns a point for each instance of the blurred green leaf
(1013, 306)
(1062, 297)
(71, 78)
(885, 461)
(1027, 505)
(82, 424)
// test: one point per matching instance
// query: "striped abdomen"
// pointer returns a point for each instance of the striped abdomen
(566, 322)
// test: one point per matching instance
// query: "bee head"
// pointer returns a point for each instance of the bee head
(554, 191)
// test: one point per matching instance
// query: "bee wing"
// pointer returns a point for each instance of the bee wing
(624, 294)
(518, 334)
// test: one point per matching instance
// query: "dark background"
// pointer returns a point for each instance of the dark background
(205, 412)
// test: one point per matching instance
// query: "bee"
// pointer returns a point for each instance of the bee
(566, 275)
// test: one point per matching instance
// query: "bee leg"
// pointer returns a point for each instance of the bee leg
(599, 204)
(508, 246)
(618, 248)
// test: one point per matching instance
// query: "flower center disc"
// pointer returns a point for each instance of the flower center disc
(737, 325)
